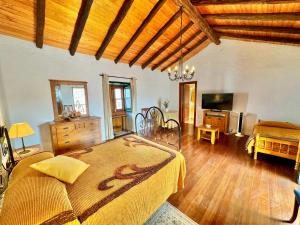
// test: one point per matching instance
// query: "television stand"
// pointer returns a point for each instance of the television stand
(219, 119)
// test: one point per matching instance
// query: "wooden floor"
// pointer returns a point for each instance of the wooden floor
(224, 185)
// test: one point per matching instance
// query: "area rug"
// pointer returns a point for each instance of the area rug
(168, 215)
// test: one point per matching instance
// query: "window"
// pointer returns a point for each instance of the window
(127, 97)
(79, 100)
(120, 97)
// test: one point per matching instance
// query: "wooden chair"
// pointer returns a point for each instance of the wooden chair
(296, 206)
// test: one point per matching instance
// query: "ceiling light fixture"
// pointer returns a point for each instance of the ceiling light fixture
(179, 72)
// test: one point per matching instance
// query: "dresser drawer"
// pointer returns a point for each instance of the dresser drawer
(92, 124)
(80, 125)
(67, 136)
(65, 129)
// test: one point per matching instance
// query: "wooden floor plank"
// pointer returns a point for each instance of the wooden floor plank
(224, 185)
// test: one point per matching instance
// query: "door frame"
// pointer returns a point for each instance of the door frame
(181, 86)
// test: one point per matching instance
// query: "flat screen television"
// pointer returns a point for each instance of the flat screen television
(222, 101)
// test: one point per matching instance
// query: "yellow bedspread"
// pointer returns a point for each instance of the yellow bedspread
(129, 178)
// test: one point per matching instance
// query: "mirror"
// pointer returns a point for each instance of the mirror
(69, 97)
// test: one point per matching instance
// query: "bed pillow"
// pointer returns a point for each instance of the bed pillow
(64, 168)
(22, 169)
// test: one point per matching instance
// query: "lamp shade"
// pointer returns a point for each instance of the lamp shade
(19, 130)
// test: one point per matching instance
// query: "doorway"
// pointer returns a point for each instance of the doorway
(187, 106)
(120, 94)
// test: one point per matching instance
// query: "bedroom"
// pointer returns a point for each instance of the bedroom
(262, 72)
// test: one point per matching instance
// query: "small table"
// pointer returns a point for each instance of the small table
(202, 130)
(171, 114)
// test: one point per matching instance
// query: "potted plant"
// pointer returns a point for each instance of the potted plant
(166, 105)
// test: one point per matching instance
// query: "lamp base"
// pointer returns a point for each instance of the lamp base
(24, 152)
(239, 135)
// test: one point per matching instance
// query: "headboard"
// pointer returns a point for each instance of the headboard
(153, 126)
(6, 158)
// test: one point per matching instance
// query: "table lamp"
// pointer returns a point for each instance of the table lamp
(21, 130)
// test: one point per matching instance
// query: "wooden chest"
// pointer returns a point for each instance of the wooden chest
(82, 133)
(217, 119)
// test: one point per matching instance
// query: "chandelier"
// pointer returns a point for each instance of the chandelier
(180, 72)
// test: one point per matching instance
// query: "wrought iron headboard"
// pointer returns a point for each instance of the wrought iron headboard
(153, 126)
(7, 161)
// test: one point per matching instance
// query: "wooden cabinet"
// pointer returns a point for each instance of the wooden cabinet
(217, 119)
(82, 133)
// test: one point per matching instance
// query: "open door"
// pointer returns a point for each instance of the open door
(187, 105)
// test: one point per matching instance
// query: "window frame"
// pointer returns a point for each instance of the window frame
(123, 86)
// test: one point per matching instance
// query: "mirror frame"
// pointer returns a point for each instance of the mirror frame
(53, 83)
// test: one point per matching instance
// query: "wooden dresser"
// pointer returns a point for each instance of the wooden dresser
(80, 133)
(217, 119)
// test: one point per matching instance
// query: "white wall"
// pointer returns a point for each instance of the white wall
(26, 71)
(264, 77)
(3, 114)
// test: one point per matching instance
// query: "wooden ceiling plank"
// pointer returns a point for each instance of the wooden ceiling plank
(186, 53)
(255, 16)
(239, 2)
(278, 40)
(141, 28)
(284, 30)
(198, 19)
(161, 50)
(80, 23)
(156, 36)
(166, 58)
(40, 23)
(114, 27)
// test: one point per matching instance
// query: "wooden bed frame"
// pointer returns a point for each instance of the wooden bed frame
(281, 147)
(152, 125)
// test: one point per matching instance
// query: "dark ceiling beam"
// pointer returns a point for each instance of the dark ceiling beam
(198, 19)
(255, 16)
(141, 28)
(185, 43)
(277, 40)
(238, 2)
(283, 30)
(161, 50)
(156, 36)
(187, 52)
(114, 27)
(40, 23)
(83, 14)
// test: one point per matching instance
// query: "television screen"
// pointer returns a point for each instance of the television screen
(221, 101)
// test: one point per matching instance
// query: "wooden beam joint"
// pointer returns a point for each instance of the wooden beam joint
(198, 19)
(40, 23)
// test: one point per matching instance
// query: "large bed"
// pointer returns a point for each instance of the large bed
(128, 179)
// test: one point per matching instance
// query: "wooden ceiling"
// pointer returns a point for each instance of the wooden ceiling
(146, 32)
